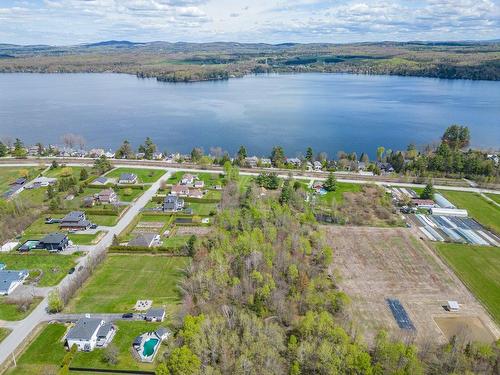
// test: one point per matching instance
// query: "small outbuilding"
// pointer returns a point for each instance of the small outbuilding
(155, 315)
(453, 306)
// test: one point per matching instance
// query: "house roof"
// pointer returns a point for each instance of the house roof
(155, 313)
(7, 277)
(143, 239)
(104, 330)
(106, 193)
(84, 329)
(101, 180)
(54, 238)
(160, 332)
(180, 189)
(74, 216)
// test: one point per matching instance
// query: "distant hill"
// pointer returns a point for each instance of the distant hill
(113, 43)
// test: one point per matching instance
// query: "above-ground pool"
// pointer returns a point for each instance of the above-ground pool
(149, 347)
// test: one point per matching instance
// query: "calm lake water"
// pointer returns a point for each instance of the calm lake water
(329, 112)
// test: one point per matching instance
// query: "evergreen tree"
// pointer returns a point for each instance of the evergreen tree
(330, 183)
(125, 151)
(309, 155)
(19, 150)
(84, 174)
(3, 150)
(278, 156)
(428, 192)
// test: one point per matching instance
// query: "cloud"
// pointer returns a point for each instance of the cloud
(68, 21)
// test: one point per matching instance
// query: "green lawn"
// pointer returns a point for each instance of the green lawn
(44, 355)
(36, 196)
(53, 266)
(11, 312)
(338, 194)
(9, 175)
(143, 175)
(495, 197)
(85, 239)
(123, 279)
(203, 209)
(75, 172)
(125, 335)
(479, 208)
(4, 332)
(175, 241)
(134, 194)
(479, 269)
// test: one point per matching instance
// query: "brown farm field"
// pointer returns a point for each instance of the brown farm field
(380, 263)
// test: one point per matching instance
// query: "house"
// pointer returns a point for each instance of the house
(423, 203)
(318, 166)
(173, 203)
(251, 161)
(88, 202)
(453, 306)
(88, 333)
(10, 280)
(42, 182)
(195, 193)
(155, 315)
(180, 190)
(54, 242)
(265, 162)
(107, 196)
(96, 152)
(157, 156)
(188, 179)
(100, 181)
(109, 154)
(294, 161)
(75, 220)
(127, 178)
(385, 167)
(145, 240)
(19, 181)
(199, 184)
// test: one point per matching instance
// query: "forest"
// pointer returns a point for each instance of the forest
(186, 62)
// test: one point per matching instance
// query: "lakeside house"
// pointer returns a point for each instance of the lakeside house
(188, 179)
(127, 178)
(145, 240)
(318, 166)
(107, 196)
(180, 190)
(173, 203)
(11, 279)
(89, 333)
(75, 220)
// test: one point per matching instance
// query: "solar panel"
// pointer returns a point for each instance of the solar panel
(399, 313)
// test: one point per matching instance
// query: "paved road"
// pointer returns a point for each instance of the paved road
(22, 329)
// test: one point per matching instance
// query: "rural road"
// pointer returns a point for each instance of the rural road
(22, 329)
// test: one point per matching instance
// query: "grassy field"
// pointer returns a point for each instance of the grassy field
(134, 194)
(10, 311)
(479, 208)
(338, 194)
(4, 332)
(495, 197)
(53, 266)
(203, 209)
(175, 241)
(123, 279)
(479, 269)
(44, 355)
(75, 172)
(125, 335)
(85, 239)
(143, 175)
(9, 175)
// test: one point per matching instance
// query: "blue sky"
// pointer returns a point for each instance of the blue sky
(272, 21)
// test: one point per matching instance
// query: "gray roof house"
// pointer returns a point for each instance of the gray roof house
(89, 333)
(100, 181)
(127, 178)
(145, 240)
(54, 242)
(173, 203)
(75, 220)
(155, 315)
(11, 279)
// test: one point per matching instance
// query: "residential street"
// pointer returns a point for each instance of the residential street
(22, 329)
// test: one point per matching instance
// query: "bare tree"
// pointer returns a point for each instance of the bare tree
(71, 140)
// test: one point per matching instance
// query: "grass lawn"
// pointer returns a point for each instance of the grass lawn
(53, 266)
(11, 312)
(175, 241)
(75, 172)
(125, 335)
(36, 196)
(495, 197)
(479, 269)
(9, 175)
(4, 332)
(44, 355)
(203, 209)
(123, 279)
(213, 194)
(106, 220)
(479, 208)
(130, 195)
(143, 175)
(85, 239)
(338, 194)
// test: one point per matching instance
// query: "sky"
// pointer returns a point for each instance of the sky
(64, 22)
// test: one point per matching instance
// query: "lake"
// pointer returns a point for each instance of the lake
(329, 112)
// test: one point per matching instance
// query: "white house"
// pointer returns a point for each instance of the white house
(188, 179)
(89, 333)
(10, 280)
(127, 178)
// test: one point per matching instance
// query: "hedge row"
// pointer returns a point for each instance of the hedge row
(116, 186)
(160, 198)
(87, 212)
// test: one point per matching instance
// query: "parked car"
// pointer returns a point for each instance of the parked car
(93, 226)
(71, 270)
(127, 316)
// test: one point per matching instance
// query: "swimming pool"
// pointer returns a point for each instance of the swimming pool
(149, 347)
